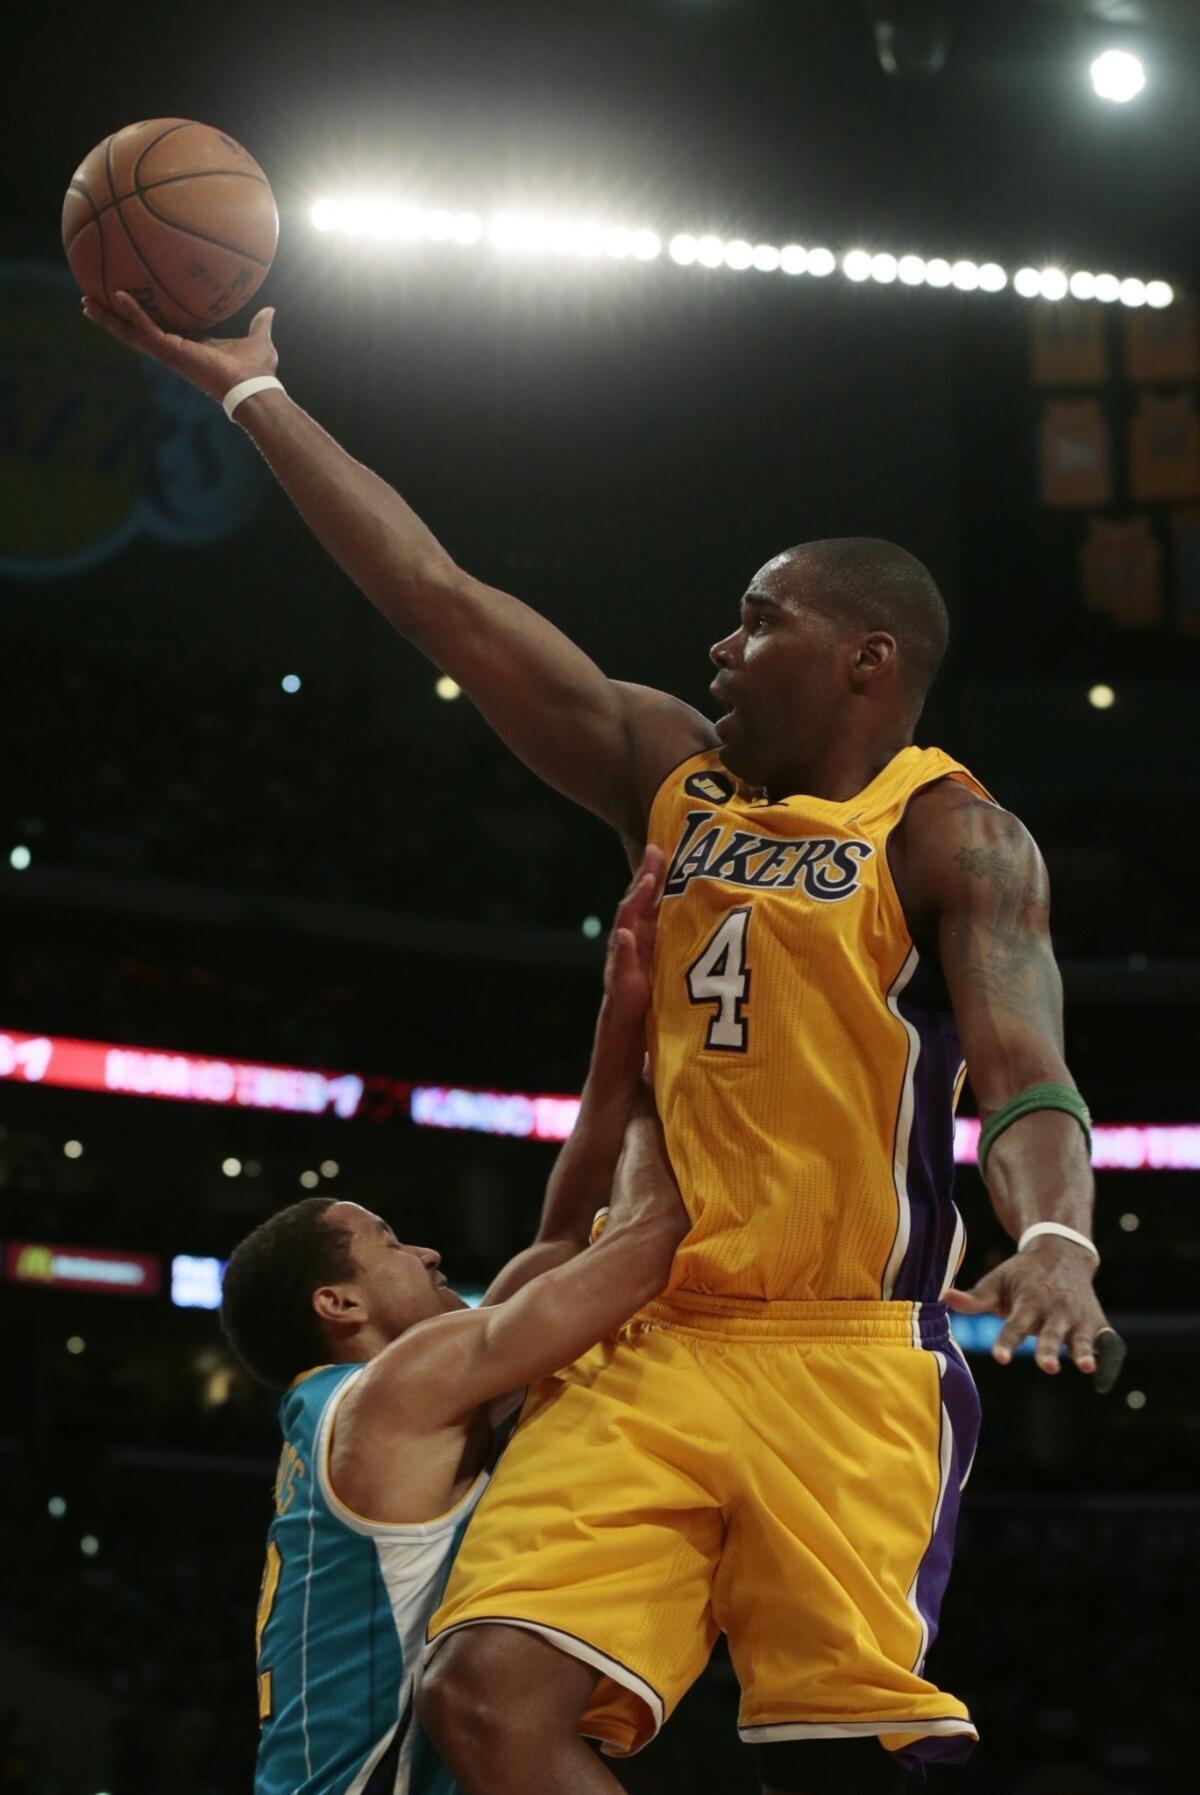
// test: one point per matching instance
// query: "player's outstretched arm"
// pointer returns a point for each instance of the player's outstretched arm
(603, 743)
(976, 874)
(443, 1369)
(582, 1179)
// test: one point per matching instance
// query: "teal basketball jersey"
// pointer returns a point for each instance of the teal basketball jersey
(341, 1622)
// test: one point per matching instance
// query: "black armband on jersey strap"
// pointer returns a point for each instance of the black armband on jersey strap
(1038, 1096)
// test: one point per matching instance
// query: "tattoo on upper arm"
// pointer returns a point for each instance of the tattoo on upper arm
(1006, 948)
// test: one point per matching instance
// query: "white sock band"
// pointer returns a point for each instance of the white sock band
(1081, 1240)
(245, 390)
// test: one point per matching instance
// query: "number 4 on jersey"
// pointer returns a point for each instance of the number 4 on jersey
(720, 975)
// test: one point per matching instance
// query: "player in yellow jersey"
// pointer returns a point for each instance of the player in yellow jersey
(775, 1448)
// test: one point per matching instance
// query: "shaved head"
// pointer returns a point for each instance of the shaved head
(864, 583)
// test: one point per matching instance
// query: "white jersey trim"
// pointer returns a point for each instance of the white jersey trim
(398, 1530)
(571, 1647)
(853, 1729)
(904, 1126)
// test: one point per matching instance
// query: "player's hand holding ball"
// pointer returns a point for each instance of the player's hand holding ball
(170, 226)
(215, 365)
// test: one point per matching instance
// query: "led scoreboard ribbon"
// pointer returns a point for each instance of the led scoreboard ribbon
(520, 1115)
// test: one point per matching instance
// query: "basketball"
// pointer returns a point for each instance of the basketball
(175, 213)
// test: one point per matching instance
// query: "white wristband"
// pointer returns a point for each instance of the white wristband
(1081, 1240)
(246, 388)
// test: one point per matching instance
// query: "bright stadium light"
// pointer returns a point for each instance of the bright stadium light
(73, 1149)
(290, 682)
(330, 1168)
(20, 858)
(231, 1167)
(1118, 75)
(1101, 698)
(447, 688)
(310, 1180)
(381, 220)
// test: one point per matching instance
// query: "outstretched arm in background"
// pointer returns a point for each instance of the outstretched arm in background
(603, 743)
(973, 876)
(582, 1179)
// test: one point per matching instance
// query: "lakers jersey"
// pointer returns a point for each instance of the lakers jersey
(341, 1622)
(805, 1065)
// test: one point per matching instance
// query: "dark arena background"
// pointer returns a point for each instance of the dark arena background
(280, 916)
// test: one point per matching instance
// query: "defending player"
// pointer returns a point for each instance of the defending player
(388, 1433)
(846, 919)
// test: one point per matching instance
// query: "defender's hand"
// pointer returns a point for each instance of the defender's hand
(1047, 1291)
(628, 966)
(214, 365)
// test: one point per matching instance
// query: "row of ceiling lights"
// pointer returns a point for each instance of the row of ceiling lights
(388, 221)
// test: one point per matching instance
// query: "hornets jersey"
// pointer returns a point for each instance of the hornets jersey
(341, 1622)
(805, 1064)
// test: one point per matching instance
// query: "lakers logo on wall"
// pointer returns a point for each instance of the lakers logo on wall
(97, 446)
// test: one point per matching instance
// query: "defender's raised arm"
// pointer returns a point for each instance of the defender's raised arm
(603, 743)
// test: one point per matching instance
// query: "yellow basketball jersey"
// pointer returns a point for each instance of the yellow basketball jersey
(805, 1073)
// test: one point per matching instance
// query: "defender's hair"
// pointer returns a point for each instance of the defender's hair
(266, 1302)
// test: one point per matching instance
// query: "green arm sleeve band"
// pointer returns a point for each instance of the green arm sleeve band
(1038, 1096)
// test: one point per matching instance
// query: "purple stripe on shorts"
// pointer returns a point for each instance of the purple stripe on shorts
(930, 1150)
(936, 1748)
(960, 1406)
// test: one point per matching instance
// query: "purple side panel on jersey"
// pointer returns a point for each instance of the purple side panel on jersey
(960, 1401)
(930, 1152)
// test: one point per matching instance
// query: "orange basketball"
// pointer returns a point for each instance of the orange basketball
(177, 214)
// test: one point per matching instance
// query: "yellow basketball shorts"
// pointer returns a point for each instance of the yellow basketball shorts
(787, 1473)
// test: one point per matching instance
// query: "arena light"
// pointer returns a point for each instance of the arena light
(1133, 292)
(1101, 697)
(375, 219)
(1118, 75)
(20, 858)
(290, 682)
